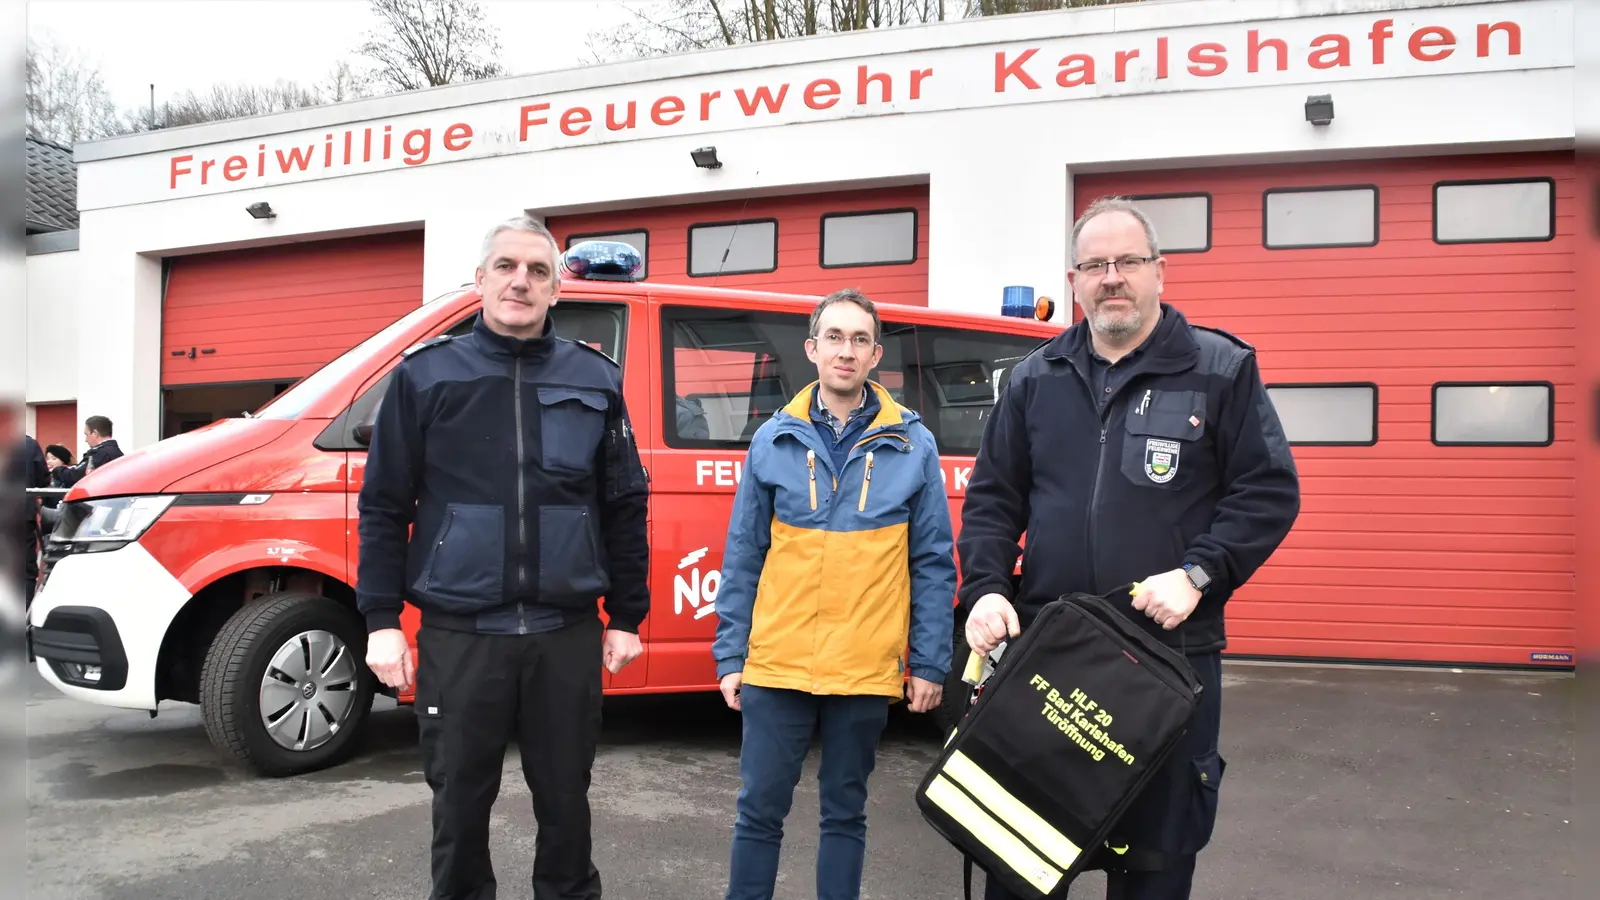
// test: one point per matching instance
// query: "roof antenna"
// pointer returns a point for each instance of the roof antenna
(152, 107)
(729, 249)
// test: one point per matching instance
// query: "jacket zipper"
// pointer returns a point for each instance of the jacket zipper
(811, 466)
(444, 533)
(1094, 507)
(522, 518)
(866, 482)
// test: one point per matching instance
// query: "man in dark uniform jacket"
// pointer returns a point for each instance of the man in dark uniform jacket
(1133, 447)
(102, 449)
(28, 471)
(510, 453)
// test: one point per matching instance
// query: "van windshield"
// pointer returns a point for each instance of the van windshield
(292, 403)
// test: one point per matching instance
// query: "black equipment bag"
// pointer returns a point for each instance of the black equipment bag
(1082, 709)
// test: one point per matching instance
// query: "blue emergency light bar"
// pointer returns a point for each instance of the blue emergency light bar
(603, 261)
(1017, 301)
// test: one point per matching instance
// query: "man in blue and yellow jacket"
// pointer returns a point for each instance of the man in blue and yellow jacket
(839, 555)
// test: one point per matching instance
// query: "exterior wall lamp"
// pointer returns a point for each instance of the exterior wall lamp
(261, 210)
(1319, 109)
(706, 158)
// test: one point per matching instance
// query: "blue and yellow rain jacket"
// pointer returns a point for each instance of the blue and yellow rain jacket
(828, 575)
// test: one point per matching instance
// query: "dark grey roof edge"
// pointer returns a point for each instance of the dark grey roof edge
(51, 242)
(51, 188)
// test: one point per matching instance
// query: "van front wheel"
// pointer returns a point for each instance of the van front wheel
(953, 702)
(285, 688)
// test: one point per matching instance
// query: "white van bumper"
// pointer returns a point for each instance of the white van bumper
(95, 629)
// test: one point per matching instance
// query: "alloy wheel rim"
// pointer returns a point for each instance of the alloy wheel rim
(308, 690)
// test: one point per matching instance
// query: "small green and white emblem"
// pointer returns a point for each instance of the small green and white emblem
(1160, 460)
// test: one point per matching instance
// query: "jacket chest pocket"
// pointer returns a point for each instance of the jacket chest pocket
(1164, 439)
(571, 422)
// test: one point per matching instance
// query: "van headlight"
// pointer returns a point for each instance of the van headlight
(120, 519)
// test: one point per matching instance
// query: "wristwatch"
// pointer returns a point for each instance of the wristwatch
(1197, 577)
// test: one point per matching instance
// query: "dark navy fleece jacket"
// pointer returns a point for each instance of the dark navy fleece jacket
(1186, 463)
(514, 463)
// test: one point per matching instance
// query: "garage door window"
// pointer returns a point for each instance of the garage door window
(1297, 218)
(1474, 212)
(1182, 221)
(638, 240)
(1327, 414)
(1484, 414)
(733, 248)
(869, 239)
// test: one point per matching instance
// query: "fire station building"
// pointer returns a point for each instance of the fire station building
(1379, 196)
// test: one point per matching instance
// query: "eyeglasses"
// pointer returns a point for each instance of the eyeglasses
(1127, 265)
(833, 340)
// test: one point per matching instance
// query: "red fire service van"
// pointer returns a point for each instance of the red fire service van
(217, 567)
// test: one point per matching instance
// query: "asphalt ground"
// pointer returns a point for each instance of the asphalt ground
(1341, 783)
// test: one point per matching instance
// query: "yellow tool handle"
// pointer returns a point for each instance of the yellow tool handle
(974, 670)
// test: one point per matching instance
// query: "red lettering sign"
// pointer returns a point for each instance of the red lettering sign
(1005, 71)
(667, 104)
(456, 137)
(1016, 70)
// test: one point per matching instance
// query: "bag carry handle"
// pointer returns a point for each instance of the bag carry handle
(1102, 609)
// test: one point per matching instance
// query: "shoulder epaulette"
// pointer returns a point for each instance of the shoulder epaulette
(1034, 353)
(585, 345)
(1231, 338)
(430, 342)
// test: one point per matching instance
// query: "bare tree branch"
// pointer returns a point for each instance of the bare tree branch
(977, 8)
(342, 83)
(425, 43)
(236, 101)
(66, 99)
(681, 26)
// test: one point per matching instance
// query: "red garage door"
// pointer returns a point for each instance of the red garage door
(57, 423)
(1416, 323)
(873, 240)
(279, 313)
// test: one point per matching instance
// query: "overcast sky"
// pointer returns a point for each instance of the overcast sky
(191, 44)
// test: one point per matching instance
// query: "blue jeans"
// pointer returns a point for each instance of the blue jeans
(778, 726)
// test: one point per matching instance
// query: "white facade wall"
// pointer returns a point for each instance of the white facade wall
(55, 290)
(999, 163)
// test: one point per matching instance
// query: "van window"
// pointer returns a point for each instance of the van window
(726, 371)
(956, 376)
(601, 326)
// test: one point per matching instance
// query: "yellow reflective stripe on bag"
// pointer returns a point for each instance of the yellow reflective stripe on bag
(993, 835)
(1024, 821)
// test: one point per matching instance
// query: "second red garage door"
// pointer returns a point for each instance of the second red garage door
(1416, 325)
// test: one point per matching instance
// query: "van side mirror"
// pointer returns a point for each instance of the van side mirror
(363, 433)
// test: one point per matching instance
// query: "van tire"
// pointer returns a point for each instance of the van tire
(953, 701)
(237, 661)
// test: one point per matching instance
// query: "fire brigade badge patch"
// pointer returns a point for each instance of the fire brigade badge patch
(1160, 460)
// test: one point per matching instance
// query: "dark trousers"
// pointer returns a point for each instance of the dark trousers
(474, 693)
(778, 727)
(1174, 816)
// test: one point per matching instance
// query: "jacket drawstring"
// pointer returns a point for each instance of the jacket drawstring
(866, 482)
(811, 466)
